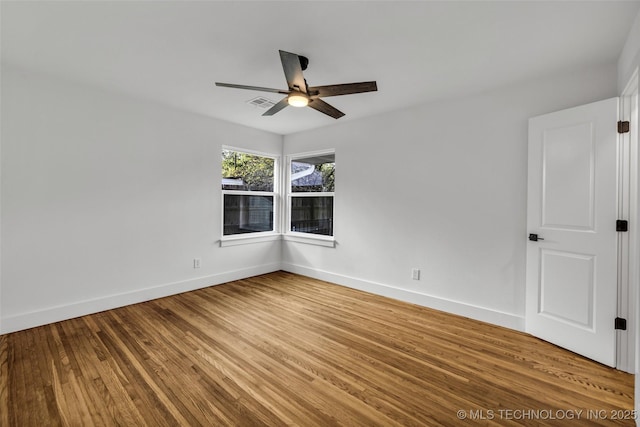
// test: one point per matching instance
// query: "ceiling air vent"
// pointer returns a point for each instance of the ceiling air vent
(261, 102)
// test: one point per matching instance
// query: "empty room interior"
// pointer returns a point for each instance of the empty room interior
(319, 213)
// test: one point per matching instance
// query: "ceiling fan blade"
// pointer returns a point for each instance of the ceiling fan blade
(323, 107)
(293, 71)
(258, 88)
(277, 107)
(343, 89)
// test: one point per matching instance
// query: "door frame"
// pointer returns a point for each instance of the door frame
(627, 342)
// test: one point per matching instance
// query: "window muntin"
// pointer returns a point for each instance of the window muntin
(311, 194)
(248, 196)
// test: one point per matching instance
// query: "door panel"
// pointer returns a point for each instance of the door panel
(572, 269)
(568, 155)
(567, 276)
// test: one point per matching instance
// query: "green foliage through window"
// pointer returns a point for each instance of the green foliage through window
(311, 175)
(247, 172)
(247, 180)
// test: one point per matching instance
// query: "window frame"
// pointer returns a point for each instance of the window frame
(257, 236)
(298, 236)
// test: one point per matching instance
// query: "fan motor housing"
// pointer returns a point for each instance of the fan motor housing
(304, 62)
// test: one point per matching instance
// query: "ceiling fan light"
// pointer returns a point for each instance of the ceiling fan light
(298, 100)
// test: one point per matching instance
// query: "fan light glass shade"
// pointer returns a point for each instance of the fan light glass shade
(296, 100)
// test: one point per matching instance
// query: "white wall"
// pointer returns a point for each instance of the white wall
(630, 56)
(440, 187)
(106, 200)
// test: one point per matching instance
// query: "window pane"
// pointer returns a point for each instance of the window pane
(313, 174)
(312, 215)
(248, 172)
(247, 214)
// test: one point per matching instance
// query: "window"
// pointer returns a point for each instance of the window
(311, 193)
(248, 197)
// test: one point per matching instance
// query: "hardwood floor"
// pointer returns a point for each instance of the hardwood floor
(282, 349)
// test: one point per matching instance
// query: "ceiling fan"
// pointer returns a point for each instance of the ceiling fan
(302, 95)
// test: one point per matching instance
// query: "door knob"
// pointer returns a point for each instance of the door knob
(534, 237)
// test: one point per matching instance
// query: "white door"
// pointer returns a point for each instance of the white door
(571, 288)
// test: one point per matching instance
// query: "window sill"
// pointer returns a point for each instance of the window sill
(244, 239)
(311, 239)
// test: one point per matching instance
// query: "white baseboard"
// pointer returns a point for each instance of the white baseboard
(82, 308)
(483, 314)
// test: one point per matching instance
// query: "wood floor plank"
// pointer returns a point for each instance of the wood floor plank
(4, 380)
(282, 349)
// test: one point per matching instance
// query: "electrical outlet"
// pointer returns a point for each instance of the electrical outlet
(415, 274)
(197, 262)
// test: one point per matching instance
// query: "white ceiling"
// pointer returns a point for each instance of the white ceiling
(172, 52)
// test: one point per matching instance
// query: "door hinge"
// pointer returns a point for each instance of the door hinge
(621, 323)
(622, 225)
(623, 126)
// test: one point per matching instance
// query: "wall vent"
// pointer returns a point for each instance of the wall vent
(261, 102)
